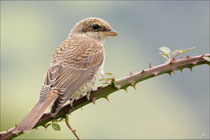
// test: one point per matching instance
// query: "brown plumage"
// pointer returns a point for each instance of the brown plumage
(75, 66)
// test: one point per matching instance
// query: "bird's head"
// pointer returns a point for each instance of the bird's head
(95, 28)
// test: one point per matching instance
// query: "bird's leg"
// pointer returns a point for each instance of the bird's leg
(71, 102)
(88, 96)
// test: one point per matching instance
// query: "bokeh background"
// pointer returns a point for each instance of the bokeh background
(161, 107)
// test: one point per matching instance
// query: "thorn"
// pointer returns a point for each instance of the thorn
(131, 73)
(188, 56)
(133, 84)
(114, 84)
(173, 59)
(181, 57)
(202, 55)
(169, 73)
(194, 62)
(190, 69)
(150, 65)
(181, 70)
(15, 125)
(117, 87)
(106, 97)
(173, 71)
(99, 87)
(142, 71)
(155, 73)
(125, 89)
(93, 100)
(171, 62)
(45, 125)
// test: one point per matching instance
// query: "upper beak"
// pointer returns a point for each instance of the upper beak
(112, 33)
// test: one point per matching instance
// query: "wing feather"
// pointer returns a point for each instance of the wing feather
(70, 69)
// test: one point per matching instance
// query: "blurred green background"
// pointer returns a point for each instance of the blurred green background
(161, 107)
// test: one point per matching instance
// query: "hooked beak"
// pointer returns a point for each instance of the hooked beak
(111, 33)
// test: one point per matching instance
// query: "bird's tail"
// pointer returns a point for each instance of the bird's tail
(32, 118)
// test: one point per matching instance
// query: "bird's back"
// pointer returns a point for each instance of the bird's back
(82, 55)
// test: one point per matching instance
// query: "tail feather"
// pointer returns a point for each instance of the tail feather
(32, 118)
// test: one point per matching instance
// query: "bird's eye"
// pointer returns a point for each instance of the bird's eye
(95, 26)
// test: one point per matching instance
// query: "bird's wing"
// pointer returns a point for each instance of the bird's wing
(75, 62)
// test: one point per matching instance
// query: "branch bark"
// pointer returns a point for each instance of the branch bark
(131, 80)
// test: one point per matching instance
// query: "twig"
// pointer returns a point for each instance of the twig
(72, 130)
(123, 83)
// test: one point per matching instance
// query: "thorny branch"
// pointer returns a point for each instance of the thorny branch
(131, 80)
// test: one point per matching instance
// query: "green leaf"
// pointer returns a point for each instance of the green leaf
(165, 50)
(56, 127)
(108, 73)
(165, 54)
(206, 58)
(182, 51)
(165, 57)
(176, 52)
(108, 79)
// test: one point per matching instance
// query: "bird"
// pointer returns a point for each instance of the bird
(75, 66)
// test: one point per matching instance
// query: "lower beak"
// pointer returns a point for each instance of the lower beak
(112, 33)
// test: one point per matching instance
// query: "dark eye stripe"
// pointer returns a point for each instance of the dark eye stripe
(95, 26)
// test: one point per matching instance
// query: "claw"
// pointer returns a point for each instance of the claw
(88, 96)
(99, 87)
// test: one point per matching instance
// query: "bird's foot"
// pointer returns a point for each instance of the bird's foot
(88, 96)
(53, 114)
(71, 102)
(90, 99)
